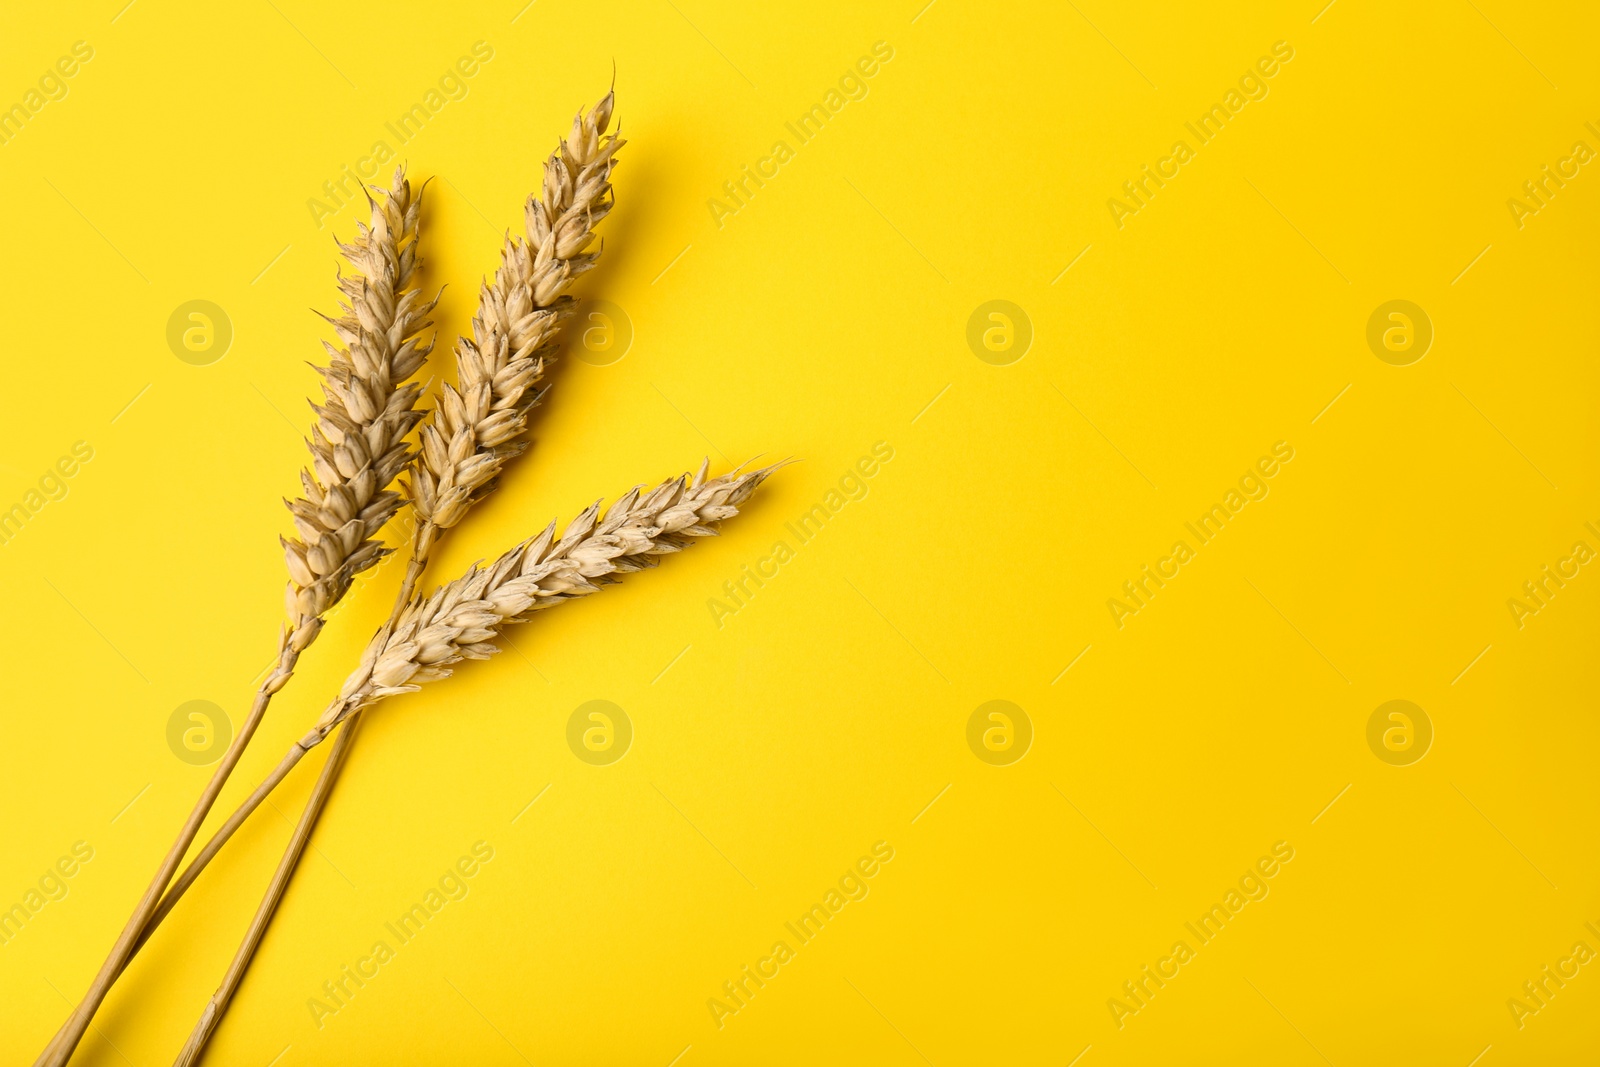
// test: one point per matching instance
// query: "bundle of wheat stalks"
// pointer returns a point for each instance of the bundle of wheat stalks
(362, 446)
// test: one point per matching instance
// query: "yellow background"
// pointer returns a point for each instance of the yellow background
(819, 319)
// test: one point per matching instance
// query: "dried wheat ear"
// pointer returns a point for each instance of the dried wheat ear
(358, 441)
(463, 618)
(479, 423)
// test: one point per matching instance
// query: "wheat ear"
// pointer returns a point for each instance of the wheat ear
(464, 618)
(479, 423)
(358, 443)
(357, 451)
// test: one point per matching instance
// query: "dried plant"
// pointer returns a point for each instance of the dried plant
(560, 228)
(357, 451)
(479, 425)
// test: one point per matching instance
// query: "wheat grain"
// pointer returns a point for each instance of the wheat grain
(358, 443)
(480, 422)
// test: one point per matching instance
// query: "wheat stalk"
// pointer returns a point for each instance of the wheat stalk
(464, 618)
(357, 451)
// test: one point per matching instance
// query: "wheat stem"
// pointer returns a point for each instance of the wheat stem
(291, 759)
(211, 1017)
(60, 1049)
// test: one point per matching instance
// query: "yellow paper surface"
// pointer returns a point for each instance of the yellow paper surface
(952, 259)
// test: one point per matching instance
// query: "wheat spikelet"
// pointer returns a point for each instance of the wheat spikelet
(480, 422)
(358, 442)
(462, 619)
